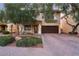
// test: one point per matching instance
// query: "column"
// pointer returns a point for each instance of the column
(59, 30)
(39, 29)
(60, 22)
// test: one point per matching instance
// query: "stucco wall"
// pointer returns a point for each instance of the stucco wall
(14, 27)
(65, 27)
(78, 29)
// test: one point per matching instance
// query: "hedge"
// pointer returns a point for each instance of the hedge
(4, 32)
(5, 40)
(27, 42)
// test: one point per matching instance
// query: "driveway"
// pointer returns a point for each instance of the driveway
(54, 45)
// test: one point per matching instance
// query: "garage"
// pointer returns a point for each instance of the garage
(50, 29)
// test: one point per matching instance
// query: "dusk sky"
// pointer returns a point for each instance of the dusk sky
(1, 5)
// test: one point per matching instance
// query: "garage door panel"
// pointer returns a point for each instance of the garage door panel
(49, 29)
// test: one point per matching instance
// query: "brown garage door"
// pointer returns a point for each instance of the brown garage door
(49, 29)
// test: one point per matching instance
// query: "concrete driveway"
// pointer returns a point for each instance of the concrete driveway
(54, 45)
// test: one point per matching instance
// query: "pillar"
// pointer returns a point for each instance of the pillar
(60, 22)
(59, 30)
(39, 28)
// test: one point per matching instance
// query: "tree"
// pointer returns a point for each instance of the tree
(20, 13)
(2, 15)
(48, 11)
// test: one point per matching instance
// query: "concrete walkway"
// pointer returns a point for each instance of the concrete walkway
(54, 45)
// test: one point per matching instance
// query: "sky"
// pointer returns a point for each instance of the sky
(1, 5)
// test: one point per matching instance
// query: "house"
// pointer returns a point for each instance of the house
(41, 26)
(45, 26)
(3, 26)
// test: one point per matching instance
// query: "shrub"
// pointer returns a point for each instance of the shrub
(0, 31)
(73, 32)
(36, 40)
(50, 21)
(4, 40)
(5, 32)
(21, 43)
(32, 41)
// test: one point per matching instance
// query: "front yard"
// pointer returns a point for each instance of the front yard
(53, 45)
(5, 40)
(21, 41)
(28, 42)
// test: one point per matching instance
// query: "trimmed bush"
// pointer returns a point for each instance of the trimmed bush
(4, 40)
(0, 31)
(27, 42)
(73, 33)
(36, 40)
(5, 32)
(50, 21)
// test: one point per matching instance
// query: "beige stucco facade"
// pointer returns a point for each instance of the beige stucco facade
(41, 22)
(64, 26)
(14, 27)
(61, 23)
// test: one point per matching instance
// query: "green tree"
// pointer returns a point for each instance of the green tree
(48, 11)
(2, 15)
(20, 13)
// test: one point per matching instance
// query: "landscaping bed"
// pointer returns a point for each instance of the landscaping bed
(5, 40)
(29, 42)
(4, 32)
(24, 41)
